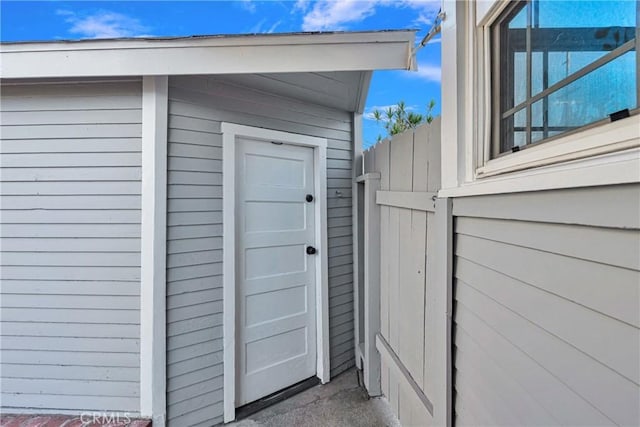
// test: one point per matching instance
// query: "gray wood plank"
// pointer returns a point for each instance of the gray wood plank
(39, 118)
(96, 145)
(470, 356)
(194, 364)
(78, 272)
(70, 387)
(202, 401)
(70, 259)
(71, 301)
(73, 131)
(107, 345)
(71, 202)
(612, 206)
(573, 323)
(574, 279)
(16, 371)
(47, 403)
(51, 287)
(45, 245)
(70, 358)
(65, 90)
(70, 216)
(610, 393)
(78, 315)
(210, 415)
(558, 399)
(615, 247)
(40, 329)
(207, 321)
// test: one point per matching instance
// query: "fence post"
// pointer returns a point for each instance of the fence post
(372, 261)
(443, 304)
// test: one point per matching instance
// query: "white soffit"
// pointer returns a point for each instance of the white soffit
(341, 90)
(271, 53)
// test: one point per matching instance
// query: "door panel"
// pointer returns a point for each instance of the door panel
(276, 319)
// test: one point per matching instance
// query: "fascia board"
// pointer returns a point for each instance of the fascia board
(217, 55)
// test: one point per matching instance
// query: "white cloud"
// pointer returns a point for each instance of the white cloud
(423, 20)
(259, 28)
(333, 15)
(428, 72)
(273, 27)
(104, 24)
(248, 5)
(300, 6)
(419, 4)
(326, 15)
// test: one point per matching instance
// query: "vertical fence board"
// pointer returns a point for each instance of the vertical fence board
(394, 273)
(416, 306)
(401, 173)
(369, 161)
(429, 307)
(406, 411)
(400, 179)
(433, 154)
(382, 166)
(429, 317)
(420, 160)
(406, 294)
(393, 396)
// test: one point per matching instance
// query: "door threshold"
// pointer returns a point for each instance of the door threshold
(277, 397)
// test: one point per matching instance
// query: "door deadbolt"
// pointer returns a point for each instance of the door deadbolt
(311, 250)
(309, 198)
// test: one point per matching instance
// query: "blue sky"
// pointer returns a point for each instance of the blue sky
(51, 20)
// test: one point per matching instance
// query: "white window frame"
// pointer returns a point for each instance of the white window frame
(230, 133)
(585, 157)
(596, 138)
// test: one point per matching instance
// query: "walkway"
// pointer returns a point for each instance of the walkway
(340, 403)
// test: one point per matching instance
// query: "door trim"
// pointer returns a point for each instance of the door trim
(230, 132)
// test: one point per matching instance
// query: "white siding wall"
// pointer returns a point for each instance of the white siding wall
(70, 260)
(547, 308)
(194, 283)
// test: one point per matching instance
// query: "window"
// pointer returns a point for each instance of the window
(558, 66)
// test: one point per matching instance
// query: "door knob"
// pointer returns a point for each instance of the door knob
(311, 250)
(309, 198)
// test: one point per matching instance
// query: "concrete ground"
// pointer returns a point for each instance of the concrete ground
(341, 403)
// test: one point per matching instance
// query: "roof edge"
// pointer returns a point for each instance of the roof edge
(300, 52)
(194, 37)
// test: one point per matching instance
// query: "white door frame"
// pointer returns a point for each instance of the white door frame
(230, 132)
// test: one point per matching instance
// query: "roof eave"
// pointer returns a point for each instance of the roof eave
(286, 53)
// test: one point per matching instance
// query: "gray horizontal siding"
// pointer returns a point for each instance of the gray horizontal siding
(70, 262)
(197, 108)
(547, 312)
(194, 270)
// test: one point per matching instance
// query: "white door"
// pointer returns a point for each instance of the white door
(275, 224)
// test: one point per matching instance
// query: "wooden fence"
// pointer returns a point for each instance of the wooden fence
(395, 343)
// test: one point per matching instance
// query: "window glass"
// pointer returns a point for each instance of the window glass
(594, 96)
(562, 65)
